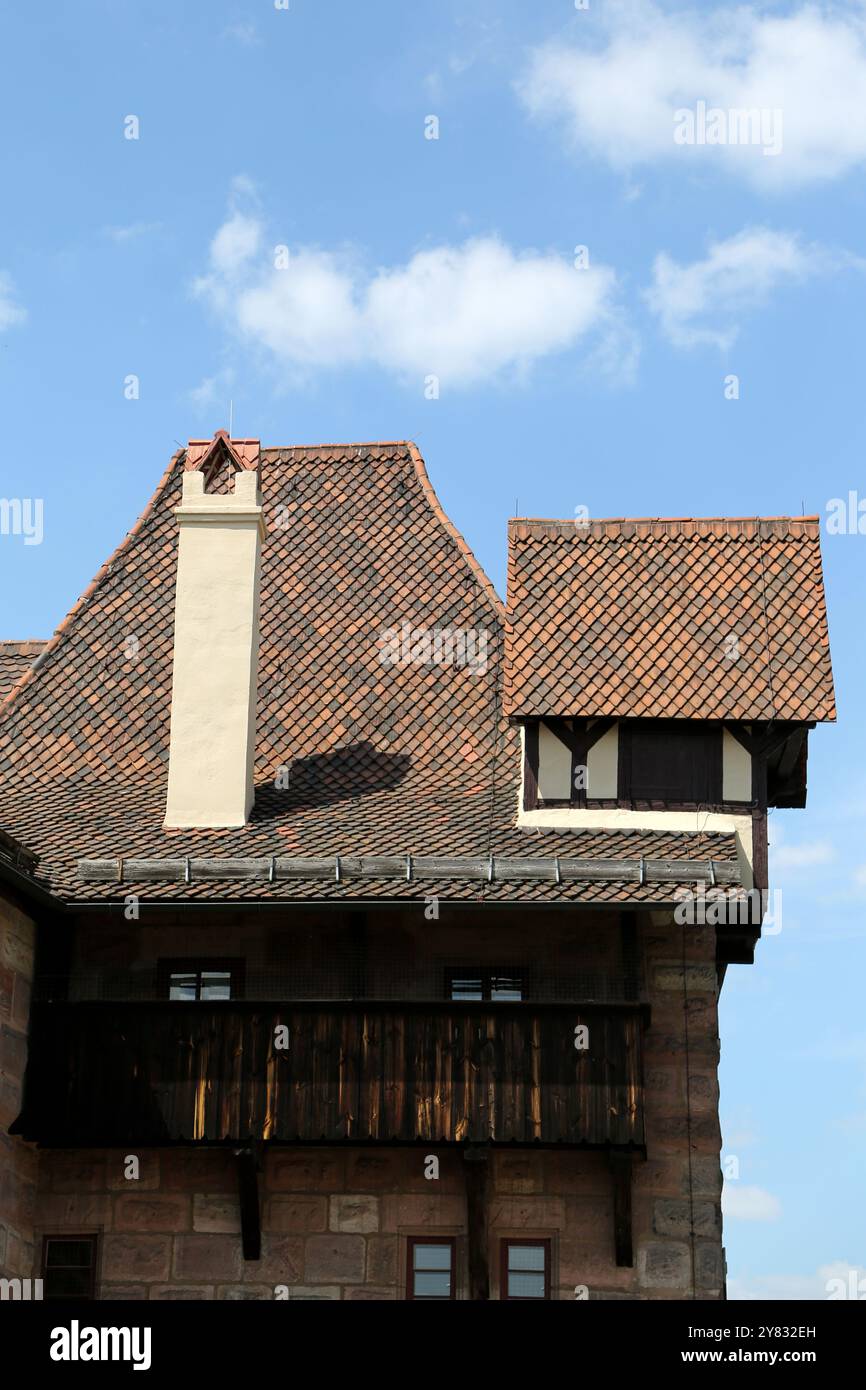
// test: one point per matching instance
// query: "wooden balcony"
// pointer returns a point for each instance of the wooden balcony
(171, 1072)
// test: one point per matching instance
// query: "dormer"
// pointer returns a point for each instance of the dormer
(662, 670)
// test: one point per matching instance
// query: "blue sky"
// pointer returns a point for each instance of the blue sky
(598, 385)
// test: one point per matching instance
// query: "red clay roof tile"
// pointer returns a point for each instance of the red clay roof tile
(689, 618)
(383, 759)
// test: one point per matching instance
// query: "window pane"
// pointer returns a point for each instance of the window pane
(183, 986)
(432, 1285)
(466, 987)
(526, 1286)
(67, 1283)
(526, 1256)
(68, 1253)
(216, 984)
(506, 987)
(432, 1256)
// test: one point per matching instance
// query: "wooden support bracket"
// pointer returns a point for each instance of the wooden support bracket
(621, 1165)
(249, 1166)
(476, 1169)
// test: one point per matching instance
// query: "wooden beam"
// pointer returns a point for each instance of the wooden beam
(476, 1167)
(530, 766)
(620, 1164)
(248, 1195)
(630, 955)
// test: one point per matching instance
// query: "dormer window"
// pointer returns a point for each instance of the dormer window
(636, 764)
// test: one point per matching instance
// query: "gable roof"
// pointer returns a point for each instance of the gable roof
(15, 659)
(637, 618)
(383, 759)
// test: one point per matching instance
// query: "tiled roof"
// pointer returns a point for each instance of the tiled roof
(383, 759)
(15, 658)
(684, 619)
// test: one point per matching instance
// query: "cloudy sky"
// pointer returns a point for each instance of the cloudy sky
(519, 235)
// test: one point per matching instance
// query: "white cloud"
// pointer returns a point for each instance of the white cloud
(132, 231)
(236, 242)
(838, 1280)
(11, 312)
(466, 313)
(735, 275)
(805, 854)
(212, 391)
(244, 33)
(741, 1203)
(617, 98)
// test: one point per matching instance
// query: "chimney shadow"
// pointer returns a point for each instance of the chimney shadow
(345, 774)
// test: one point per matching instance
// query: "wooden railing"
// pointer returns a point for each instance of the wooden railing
(161, 1073)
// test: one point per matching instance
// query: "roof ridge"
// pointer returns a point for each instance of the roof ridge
(580, 524)
(443, 517)
(341, 444)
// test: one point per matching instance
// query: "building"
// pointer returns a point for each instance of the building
(375, 933)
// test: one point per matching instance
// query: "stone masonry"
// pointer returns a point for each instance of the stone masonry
(334, 1219)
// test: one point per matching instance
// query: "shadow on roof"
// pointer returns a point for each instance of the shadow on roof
(344, 774)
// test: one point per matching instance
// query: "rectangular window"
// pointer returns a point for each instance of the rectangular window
(201, 979)
(430, 1268)
(69, 1267)
(525, 1269)
(670, 761)
(505, 985)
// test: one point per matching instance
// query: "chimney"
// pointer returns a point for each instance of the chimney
(216, 636)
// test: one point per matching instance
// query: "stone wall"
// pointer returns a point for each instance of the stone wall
(18, 1161)
(335, 1220)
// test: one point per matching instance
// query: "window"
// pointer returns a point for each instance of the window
(69, 1267)
(201, 979)
(467, 982)
(671, 761)
(430, 1268)
(525, 1269)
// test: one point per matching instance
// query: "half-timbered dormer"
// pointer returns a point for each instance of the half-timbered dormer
(665, 674)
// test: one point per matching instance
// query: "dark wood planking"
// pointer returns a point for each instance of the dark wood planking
(206, 1072)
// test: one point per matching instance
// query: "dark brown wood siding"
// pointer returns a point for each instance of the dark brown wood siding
(164, 1073)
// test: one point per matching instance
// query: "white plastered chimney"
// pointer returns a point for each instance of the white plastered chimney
(216, 640)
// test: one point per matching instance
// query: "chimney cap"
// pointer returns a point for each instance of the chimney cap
(202, 454)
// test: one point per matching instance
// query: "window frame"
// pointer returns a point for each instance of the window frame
(90, 1238)
(167, 966)
(486, 974)
(505, 1244)
(411, 1242)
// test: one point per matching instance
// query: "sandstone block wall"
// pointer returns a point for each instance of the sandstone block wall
(335, 1220)
(18, 1161)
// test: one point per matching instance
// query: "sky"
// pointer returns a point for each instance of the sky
(537, 240)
